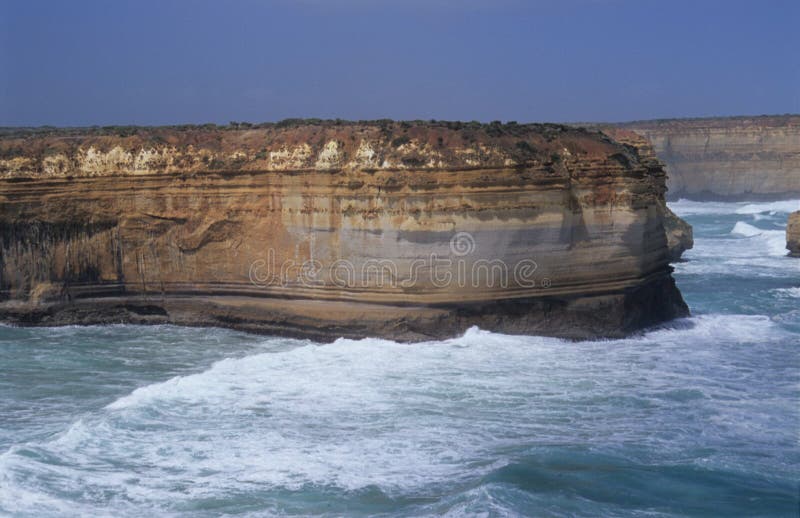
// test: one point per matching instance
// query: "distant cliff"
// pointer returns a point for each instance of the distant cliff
(732, 158)
(325, 229)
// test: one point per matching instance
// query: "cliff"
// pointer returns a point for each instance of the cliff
(402, 230)
(733, 158)
(680, 236)
(793, 234)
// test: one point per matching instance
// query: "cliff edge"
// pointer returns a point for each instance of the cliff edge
(327, 229)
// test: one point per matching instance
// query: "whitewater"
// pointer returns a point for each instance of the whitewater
(697, 417)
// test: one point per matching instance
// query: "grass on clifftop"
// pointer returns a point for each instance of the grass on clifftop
(493, 129)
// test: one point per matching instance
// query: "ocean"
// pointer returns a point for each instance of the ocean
(700, 417)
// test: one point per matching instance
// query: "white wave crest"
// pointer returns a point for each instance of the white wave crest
(783, 207)
(771, 241)
(375, 413)
(744, 229)
(787, 292)
(697, 208)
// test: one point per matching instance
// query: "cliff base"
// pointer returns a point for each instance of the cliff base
(603, 315)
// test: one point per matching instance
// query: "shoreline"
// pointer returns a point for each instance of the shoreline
(615, 314)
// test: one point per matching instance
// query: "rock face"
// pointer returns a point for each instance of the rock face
(680, 236)
(400, 230)
(734, 158)
(793, 234)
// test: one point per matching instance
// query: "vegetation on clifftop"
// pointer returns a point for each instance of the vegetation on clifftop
(494, 128)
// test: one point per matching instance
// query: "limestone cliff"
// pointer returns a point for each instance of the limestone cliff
(793, 234)
(680, 236)
(732, 158)
(403, 230)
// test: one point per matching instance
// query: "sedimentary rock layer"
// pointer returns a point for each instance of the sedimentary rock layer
(680, 236)
(728, 158)
(403, 230)
(793, 234)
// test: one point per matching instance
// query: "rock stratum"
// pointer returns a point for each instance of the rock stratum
(793, 234)
(680, 236)
(400, 230)
(732, 158)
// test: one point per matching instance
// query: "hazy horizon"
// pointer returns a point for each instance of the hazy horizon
(256, 124)
(165, 63)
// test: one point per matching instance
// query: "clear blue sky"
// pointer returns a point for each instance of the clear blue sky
(192, 61)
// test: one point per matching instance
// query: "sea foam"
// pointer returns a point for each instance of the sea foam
(483, 422)
(684, 207)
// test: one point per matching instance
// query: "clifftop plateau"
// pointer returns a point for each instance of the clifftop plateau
(290, 146)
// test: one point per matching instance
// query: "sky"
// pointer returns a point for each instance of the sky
(152, 62)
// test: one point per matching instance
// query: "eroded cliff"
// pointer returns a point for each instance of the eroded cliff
(733, 158)
(793, 234)
(403, 230)
(680, 236)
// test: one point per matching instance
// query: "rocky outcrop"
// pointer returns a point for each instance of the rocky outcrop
(733, 158)
(680, 236)
(402, 230)
(793, 234)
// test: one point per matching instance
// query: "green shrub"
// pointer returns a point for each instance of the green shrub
(525, 148)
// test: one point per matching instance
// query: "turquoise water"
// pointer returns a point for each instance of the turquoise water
(700, 417)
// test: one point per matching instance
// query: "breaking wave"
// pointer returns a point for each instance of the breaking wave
(375, 415)
(698, 417)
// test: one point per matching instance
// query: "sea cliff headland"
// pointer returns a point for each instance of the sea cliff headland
(407, 230)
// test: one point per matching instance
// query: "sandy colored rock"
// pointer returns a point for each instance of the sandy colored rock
(732, 158)
(680, 236)
(793, 234)
(402, 230)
